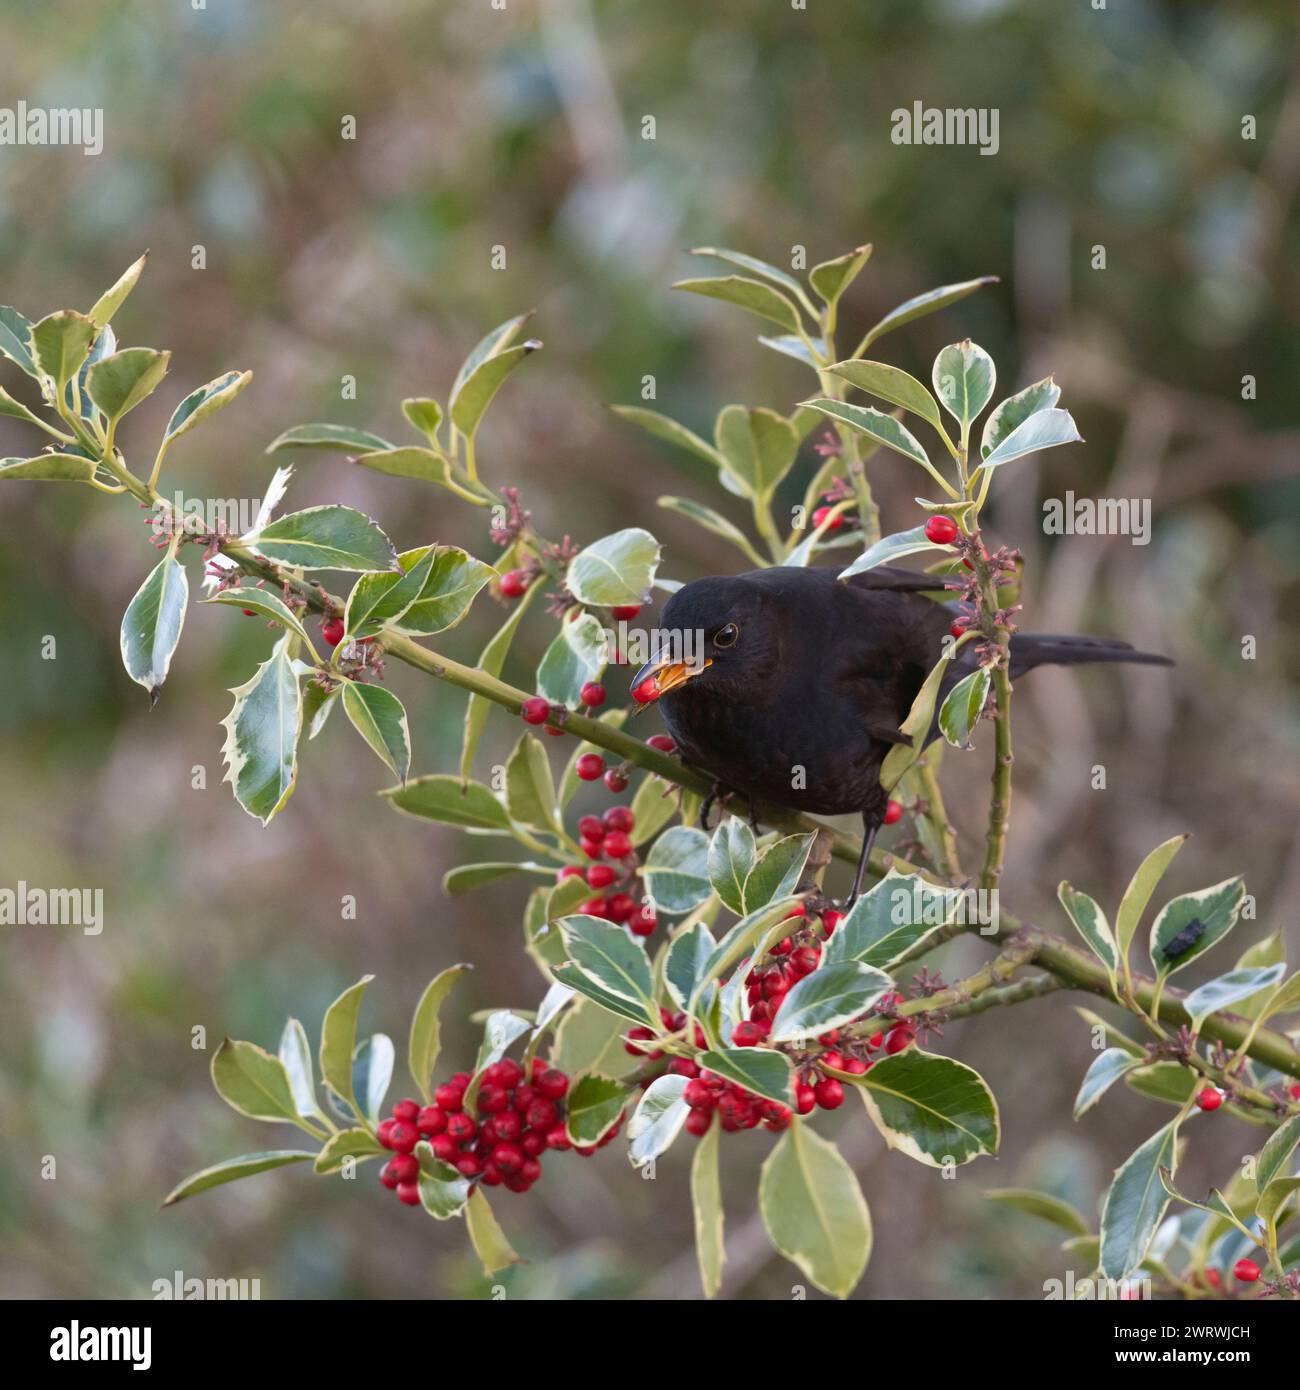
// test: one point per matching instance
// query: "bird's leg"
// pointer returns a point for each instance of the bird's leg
(753, 815)
(706, 807)
(869, 827)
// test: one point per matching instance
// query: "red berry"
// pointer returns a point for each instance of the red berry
(591, 828)
(1213, 1279)
(491, 1175)
(622, 907)
(625, 612)
(533, 1142)
(662, 742)
(407, 1111)
(1246, 1270)
(1210, 1098)
(383, 1133)
(492, 1100)
(698, 1122)
(615, 781)
(618, 844)
(591, 848)
(595, 907)
(552, 1083)
(822, 513)
(408, 1193)
(450, 1096)
(804, 960)
(469, 1165)
(508, 1126)
(403, 1138)
(875, 1039)
(569, 871)
(600, 876)
(387, 1176)
(957, 629)
(829, 1093)
(514, 583)
(830, 920)
(637, 1034)
(445, 1148)
(252, 613)
(899, 1037)
(509, 1158)
(558, 1138)
(749, 1034)
(834, 1059)
(406, 1167)
(592, 695)
(542, 1114)
(643, 922)
(619, 818)
(460, 1127)
(941, 530)
(430, 1121)
(535, 710)
(855, 1066)
(553, 731)
(1295, 1091)
(333, 631)
(893, 811)
(698, 1096)
(590, 766)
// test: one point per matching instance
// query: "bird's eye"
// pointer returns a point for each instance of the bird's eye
(726, 636)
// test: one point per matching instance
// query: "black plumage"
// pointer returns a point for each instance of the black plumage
(812, 677)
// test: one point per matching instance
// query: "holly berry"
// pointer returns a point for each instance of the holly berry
(600, 876)
(514, 584)
(618, 844)
(333, 632)
(698, 1122)
(957, 629)
(893, 811)
(616, 781)
(430, 1121)
(387, 1176)
(899, 1037)
(535, 710)
(404, 1167)
(647, 691)
(643, 921)
(625, 612)
(403, 1138)
(829, 1093)
(569, 871)
(622, 907)
(662, 742)
(1210, 1098)
(595, 907)
(941, 530)
(589, 766)
(407, 1111)
(749, 1034)
(618, 818)
(830, 920)
(1246, 1270)
(822, 513)
(552, 1083)
(591, 848)
(408, 1193)
(592, 695)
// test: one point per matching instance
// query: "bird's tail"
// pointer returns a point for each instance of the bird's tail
(1030, 649)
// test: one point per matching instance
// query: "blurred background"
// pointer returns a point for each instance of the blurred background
(372, 258)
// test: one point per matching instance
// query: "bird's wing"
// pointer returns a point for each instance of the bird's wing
(896, 579)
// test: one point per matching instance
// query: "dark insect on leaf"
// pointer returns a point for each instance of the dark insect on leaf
(1187, 938)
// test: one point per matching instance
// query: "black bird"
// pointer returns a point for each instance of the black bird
(788, 685)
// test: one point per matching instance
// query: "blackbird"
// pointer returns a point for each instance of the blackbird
(788, 685)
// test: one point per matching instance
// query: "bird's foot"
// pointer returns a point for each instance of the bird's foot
(716, 791)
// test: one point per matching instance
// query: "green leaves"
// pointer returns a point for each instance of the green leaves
(814, 1210)
(616, 570)
(657, 1120)
(379, 599)
(758, 448)
(295, 1054)
(595, 1106)
(261, 746)
(717, 524)
(922, 304)
(1015, 410)
(380, 718)
(338, 1039)
(483, 371)
(753, 295)
(342, 438)
(1274, 1157)
(232, 1170)
(443, 1192)
(16, 339)
(776, 871)
(490, 1244)
(60, 344)
(1228, 989)
(1043, 430)
(1188, 926)
(1090, 922)
(204, 401)
(1106, 1069)
(890, 919)
(831, 278)
(151, 626)
(491, 660)
(372, 1072)
(676, 870)
(890, 548)
(665, 428)
(877, 426)
(1139, 891)
(265, 602)
(964, 376)
(931, 1108)
(530, 788)
(49, 468)
(325, 538)
(1136, 1203)
(892, 385)
(706, 1204)
(832, 995)
(253, 1082)
(611, 959)
(440, 797)
(731, 856)
(112, 299)
(1041, 1204)
(118, 384)
(576, 655)
(961, 710)
(685, 962)
(758, 1069)
(356, 1144)
(425, 1041)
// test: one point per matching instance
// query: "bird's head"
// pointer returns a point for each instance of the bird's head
(719, 635)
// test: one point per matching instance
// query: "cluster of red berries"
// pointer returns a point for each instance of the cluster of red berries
(517, 1122)
(608, 837)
